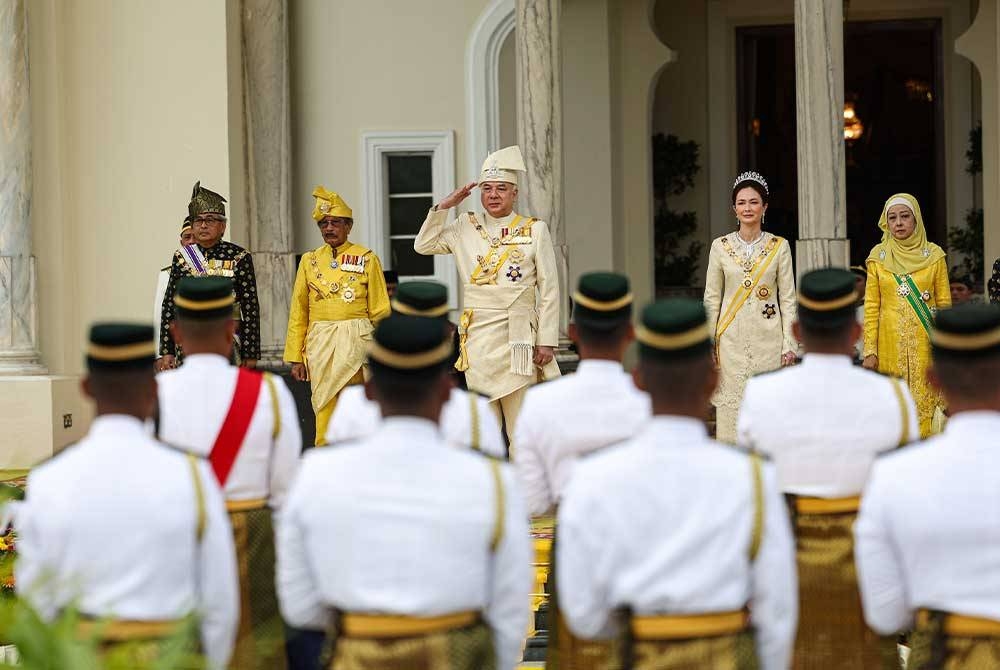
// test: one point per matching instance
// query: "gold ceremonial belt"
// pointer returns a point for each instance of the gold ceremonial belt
(679, 627)
(962, 626)
(388, 625)
(828, 505)
(246, 505)
(120, 630)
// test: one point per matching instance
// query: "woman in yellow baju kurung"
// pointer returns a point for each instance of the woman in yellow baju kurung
(907, 283)
(750, 301)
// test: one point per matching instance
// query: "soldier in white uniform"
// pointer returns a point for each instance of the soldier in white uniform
(510, 325)
(145, 547)
(679, 534)
(416, 551)
(823, 423)
(245, 423)
(927, 540)
(593, 408)
(466, 419)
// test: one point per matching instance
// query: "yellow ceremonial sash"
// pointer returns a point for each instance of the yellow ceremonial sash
(744, 292)
(486, 271)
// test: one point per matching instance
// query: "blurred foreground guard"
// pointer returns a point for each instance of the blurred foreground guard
(573, 416)
(415, 552)
(466, 419)
(679, 536)
(148, 548)
(928, 535)
(823, 423)
(244, 422)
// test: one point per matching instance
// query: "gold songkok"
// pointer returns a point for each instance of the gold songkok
(503, 165)
(329, 203)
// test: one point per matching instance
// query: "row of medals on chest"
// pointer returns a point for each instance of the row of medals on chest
(347, 293)
(516, 255)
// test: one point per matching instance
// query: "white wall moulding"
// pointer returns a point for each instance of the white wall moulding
(374, 147)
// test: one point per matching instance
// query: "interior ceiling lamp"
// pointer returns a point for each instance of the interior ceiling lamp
(853, 128)
(918, 89)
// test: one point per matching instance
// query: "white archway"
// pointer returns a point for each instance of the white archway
(482, 86)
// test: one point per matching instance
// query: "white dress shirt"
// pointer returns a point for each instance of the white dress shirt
(109, 526)
(823, 422)
(401, 523)
(357, 417)
(663, 524)
(194, 402)
(928, 535)
(566, 418)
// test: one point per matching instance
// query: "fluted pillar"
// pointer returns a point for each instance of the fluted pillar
(18, 294)
(268, 179)
(819, 97)
(539, 125)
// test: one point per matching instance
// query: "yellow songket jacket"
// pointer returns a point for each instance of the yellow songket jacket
(339, 295)
(894, 332)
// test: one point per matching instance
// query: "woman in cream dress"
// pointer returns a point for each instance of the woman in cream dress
(907, 284)
(750, 300)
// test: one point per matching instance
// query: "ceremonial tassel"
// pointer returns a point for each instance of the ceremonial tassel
(521, 356)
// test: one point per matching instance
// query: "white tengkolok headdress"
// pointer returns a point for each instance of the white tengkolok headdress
(755, 177)
(503, 165)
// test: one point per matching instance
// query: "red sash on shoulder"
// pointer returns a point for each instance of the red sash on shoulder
(234, 428)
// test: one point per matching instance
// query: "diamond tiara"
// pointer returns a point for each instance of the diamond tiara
(751, 176)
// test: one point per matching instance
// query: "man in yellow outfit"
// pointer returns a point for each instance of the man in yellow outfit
(339, 294)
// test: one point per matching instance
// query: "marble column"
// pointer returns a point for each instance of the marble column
(819, 96)
(266, 93)
(539, 125)
(18, 295)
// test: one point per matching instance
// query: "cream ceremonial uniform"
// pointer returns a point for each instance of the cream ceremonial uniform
(823, 422)
(364, 532)
(595, 407)
(664, 525)
(928, 535)
(110, 526)
(503, 318)
(466, 421)
(750, 301)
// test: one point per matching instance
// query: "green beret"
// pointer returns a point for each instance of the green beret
(204, 298)
(674, 328)
(204, 201)
(827, 298)
(421, 298)
(411, 345)
(602, 300)
(121, 346)
(967, 331)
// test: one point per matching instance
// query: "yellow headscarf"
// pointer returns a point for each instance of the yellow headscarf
(903, 257)
(329, 203)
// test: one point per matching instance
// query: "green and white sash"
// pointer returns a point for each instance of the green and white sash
(907, 289)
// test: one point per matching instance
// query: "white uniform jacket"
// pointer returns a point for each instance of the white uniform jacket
(194, 402)
(110, 526)
(663, 524)
(928, 535)
(594, 407)
(824, 421)
(466, 418)
(401, 523)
